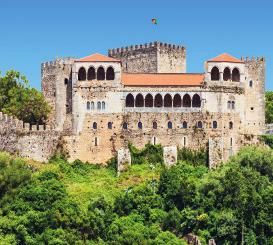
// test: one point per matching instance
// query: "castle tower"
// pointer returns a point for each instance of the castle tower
(255, 95)
(154, 57)
(57, 89)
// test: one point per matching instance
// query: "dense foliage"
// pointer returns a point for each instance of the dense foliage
(268, 140)
(269, 107)
(21, 101)
(49, 204)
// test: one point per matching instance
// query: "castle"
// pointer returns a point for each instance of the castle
(142, 94)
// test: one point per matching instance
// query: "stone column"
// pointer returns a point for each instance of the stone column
(170, 155)
(124, 160)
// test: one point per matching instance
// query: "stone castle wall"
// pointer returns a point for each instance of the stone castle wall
(98, 145)
(154, 57)
(32, 141)
(255, 95)
(57, 89)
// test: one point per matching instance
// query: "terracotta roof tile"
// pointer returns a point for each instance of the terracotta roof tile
(225, 58)
(97, 58)
(162, 79)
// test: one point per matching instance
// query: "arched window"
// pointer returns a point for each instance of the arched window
(99, 105)
(95, 125)
(82, 74)
(232, 105)
(103, 105)
(96, 141)
(139, 125)
(230, 125)
(139, 100)
(196, 101)
(65, 81)
(177, 102)
(214, 124)
(184, 124)
(170, 125)
(91, 73)
(199, 124)
(88, 105)
(227, 74)
(101, 73)
(125, 125)
(110, 73)
(250, 83)
(130, 101)
(215, 74)
(167, 100)
(186, 101)
(92, 105)
(158, 101)
(110, 125)
(149, 100)
(154, 125)
(235, 75)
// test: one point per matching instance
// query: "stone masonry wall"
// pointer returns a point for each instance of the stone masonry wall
(35, 142)
(255, 95)
(154, 57)
(99, 145)
(57, 89)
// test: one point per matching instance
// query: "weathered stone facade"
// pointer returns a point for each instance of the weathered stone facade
(38, 143)
(154, 57)
(100, 104)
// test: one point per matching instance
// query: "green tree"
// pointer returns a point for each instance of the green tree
(269, 107)
(21, 101)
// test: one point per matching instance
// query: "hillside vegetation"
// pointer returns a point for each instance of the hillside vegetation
(269, 106)
(79, 203)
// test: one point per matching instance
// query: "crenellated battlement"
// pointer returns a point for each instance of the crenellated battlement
(253, 59)
(9, 122)
(145, 46)
(58, 62)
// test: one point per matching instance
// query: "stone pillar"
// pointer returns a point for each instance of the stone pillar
(170, 155)
(215, 152)
(221, 76)
(124, 160)
(212, 242)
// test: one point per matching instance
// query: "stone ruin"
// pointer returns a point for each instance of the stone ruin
(170, 155)
(124, 160)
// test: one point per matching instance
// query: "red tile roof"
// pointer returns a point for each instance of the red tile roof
(97, 58)
(162, 79)
(225, 58)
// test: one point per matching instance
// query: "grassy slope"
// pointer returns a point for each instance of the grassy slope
(90, 181)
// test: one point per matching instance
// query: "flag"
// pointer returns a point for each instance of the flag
(154, 21)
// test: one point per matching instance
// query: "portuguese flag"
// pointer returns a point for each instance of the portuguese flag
(154, 21)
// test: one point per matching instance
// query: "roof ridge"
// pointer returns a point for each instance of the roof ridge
(225, 57)
(95, 57)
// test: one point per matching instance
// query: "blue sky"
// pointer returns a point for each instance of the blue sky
(37, 31)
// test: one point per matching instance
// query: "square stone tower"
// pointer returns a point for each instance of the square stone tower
(154, 57)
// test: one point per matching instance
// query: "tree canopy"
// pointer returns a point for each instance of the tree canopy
(21, 101)
(232, 204)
